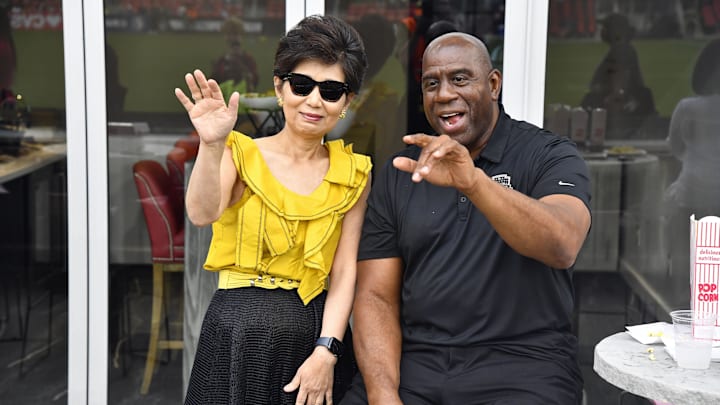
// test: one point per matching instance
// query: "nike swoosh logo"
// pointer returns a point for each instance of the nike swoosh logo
(562, 183)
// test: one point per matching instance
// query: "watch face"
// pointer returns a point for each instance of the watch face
(335, 346)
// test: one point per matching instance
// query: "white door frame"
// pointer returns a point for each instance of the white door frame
(296, 10)
(98, 190)
(524, 54)
(87, 161)
(75, 113)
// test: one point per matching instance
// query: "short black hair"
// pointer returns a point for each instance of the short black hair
(325, 39)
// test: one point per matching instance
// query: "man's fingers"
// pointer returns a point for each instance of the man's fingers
(420, 140)
(404, 164)
(410, 166)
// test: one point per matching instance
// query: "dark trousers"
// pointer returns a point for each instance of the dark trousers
(478, 375)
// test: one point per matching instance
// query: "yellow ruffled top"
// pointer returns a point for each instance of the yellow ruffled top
(276, 238)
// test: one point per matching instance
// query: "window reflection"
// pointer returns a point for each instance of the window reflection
(634, 61)
(692, 137)
(617, 84)
(150, 46)
(390, 103)
(157, 42)
(8, 55)
(33, 204)
(632, 85)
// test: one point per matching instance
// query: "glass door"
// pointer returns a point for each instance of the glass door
(33, 204)
(395, 35)
(635, 84)
(156, 287)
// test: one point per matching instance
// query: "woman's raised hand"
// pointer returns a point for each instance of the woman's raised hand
(211, 117)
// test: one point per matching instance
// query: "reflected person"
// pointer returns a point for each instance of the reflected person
(694, 139)
(465, 291)
(236, 65)
(617, 84)
(286, 212)
(372, 111)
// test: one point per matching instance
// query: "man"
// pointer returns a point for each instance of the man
(464, 292)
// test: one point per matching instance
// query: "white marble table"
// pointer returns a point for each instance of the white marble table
(625, 363)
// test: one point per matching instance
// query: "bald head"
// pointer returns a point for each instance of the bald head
(461, 89)
(463, 41)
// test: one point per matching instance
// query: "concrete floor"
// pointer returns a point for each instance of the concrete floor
(602, 310)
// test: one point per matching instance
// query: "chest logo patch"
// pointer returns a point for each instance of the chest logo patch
(503, 179)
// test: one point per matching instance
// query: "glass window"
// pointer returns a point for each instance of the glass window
(637, 86)
(620, 80)
(33, 198)
(158, 289)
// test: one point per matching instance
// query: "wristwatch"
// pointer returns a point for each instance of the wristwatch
(334, 345)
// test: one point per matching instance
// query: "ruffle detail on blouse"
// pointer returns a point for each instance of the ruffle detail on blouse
(268, 220)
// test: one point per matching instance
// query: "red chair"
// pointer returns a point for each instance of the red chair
(167, 240)
(191, 144)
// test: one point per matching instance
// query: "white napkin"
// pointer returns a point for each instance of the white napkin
(649, 333)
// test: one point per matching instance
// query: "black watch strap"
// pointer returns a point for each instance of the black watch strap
(334, 345)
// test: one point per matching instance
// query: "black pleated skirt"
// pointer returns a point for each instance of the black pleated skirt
(251, 344)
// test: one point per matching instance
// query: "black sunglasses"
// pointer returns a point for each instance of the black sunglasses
(330, 90)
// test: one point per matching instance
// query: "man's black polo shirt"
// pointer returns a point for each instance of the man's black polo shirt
(462, 284)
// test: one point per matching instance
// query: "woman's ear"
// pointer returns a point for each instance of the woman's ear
(277, 84)
(348, 98)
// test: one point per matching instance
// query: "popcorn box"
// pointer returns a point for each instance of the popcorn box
(705, 266)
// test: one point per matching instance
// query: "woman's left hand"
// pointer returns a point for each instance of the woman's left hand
(314, 379)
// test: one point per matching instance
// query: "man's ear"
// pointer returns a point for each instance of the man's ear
(495, 83)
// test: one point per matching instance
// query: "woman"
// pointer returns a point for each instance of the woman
(286, 212)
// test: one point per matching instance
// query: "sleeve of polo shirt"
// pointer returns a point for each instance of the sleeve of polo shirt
(379, 233)
(561, 170)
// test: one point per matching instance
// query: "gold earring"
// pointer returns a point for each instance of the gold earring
(280, 101)
(342, 113)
